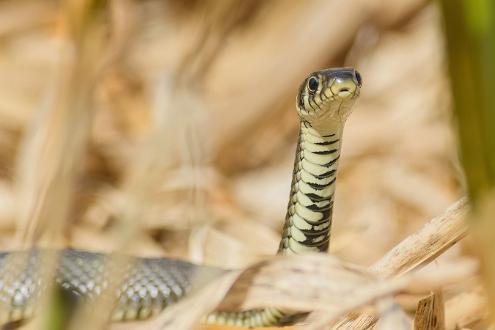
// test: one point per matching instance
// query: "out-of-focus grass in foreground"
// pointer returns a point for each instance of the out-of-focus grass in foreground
(470, 35)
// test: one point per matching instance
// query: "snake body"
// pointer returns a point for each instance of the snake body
(324, 102)
(149, 284)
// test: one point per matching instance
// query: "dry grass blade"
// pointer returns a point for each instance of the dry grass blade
(325, 283)
(174, 112)
(430, 313)
(54, 144)
(433, 239)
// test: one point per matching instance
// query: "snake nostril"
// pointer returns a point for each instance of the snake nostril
(344, 89)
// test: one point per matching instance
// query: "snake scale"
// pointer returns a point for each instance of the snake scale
(324, 102)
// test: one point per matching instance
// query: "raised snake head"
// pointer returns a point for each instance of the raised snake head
(326, 97)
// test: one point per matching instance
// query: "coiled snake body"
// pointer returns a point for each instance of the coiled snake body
(324, 102)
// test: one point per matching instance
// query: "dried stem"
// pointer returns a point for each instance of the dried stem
(430, 313)
(416, 250)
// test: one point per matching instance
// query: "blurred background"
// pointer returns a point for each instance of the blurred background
(186, 125)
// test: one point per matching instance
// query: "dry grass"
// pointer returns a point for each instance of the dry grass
(175, 137)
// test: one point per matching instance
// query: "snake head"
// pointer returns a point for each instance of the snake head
(326, 97)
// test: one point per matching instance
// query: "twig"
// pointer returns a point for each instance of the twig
(416, 250)
(430, 313)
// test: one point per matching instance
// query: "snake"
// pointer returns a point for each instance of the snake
(324, 101)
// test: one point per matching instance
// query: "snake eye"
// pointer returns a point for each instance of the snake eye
(358, 78)
(313, 84)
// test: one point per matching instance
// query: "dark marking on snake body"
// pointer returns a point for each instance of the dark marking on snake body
(332, 162)
(317, 186)
(327, 143)
(325, 175)
(325, 152)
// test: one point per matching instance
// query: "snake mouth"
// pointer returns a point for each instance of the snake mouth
(345, 93)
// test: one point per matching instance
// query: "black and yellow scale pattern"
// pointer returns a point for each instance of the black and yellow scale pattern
(149, 284)
(324, 102)
(309, 214)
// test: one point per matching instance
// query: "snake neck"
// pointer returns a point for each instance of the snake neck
(309, 213)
